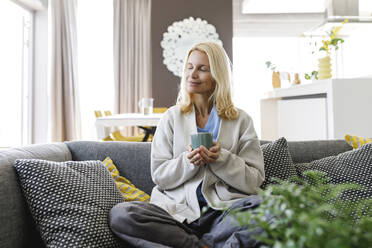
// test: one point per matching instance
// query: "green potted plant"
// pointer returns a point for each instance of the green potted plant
(313, 75)
(311, 213)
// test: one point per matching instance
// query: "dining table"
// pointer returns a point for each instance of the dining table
(105, 124)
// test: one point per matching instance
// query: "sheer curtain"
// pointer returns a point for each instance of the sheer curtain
(132, 53)
(65, 112)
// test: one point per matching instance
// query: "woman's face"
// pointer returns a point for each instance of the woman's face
(198, 75)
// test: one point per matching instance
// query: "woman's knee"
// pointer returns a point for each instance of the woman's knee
(120, 217)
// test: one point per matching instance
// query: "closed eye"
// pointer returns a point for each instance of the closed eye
(202, 68)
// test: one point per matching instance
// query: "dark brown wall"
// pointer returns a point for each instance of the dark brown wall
(163, 14)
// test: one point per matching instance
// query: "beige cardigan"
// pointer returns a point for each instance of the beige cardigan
(237, 173)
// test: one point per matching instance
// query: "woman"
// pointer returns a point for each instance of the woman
(225, 176)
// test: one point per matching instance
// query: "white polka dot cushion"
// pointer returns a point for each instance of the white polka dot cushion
(349, 167)
(70, 201)
(278, 161)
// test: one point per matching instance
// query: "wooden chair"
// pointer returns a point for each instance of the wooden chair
(107, 112)
(98, 114)
(159, 110)
(150, 131)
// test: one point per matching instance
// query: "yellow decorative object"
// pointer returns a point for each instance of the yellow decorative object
(127, 189)
(356, 141)
(324, 65)
(276, 80)
(329, 43)
(296, 79)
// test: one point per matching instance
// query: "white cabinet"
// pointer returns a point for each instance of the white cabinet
(297, 115)
(324, 109)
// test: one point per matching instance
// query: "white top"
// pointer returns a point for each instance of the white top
(237, 173)
(129, 119)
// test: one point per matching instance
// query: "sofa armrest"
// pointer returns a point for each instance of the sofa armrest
(17, 228)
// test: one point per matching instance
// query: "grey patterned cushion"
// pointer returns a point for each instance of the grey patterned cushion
(348, 167)
(69, 201)
(278, 161)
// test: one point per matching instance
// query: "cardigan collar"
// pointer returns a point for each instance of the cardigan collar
(191, 122)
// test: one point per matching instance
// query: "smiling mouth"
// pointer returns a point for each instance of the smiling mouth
(194, 83)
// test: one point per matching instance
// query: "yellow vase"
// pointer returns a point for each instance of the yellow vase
(324, 65)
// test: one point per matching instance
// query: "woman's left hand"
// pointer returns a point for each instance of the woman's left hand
(211, 155)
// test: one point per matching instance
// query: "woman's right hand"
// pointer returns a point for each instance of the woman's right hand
(194, 156)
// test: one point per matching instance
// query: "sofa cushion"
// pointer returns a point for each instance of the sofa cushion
(278, 161)
(348, 167)
(127, 189)
(70, 201)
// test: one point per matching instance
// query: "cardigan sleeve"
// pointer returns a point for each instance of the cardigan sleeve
(243, 171)
(168, 171)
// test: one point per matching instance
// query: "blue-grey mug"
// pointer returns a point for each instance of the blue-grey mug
(198, 139)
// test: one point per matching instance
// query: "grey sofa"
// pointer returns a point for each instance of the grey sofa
(17, 228)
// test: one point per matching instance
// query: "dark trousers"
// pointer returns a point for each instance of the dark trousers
(142, 224)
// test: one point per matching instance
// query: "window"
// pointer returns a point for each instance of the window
(283, 6)
(365, 7)
(95, 61)
(15, 76)
(356, 53)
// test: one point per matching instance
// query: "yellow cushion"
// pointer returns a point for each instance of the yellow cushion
(356, 141)
(127, 189)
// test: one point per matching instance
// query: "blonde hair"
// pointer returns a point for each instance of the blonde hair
(220, 68)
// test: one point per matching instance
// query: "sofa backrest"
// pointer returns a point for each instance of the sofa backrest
(17, 228)
(132, 159)
(307, 151)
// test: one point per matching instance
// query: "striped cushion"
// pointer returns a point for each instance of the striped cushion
(127, 189)
(356, 141)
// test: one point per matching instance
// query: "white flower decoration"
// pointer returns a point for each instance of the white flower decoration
(181, 36)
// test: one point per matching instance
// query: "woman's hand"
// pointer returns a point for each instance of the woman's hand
(195, 157)
(211, 155)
